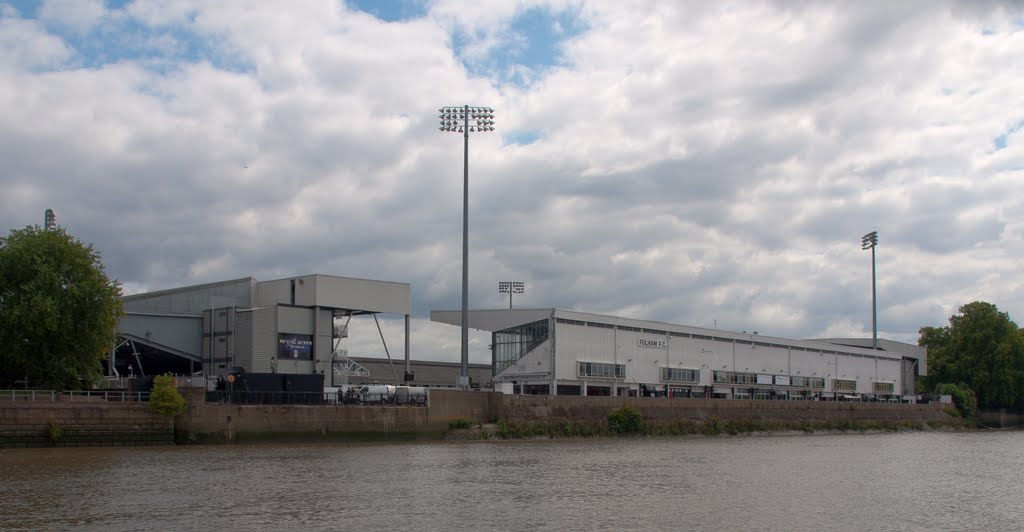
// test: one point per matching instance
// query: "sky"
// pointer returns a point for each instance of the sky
(700, 163)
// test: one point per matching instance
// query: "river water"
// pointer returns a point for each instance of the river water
(902, 481)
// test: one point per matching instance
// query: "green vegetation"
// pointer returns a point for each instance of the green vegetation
(963, 399)
(54, 432)
(983, 351)
(626, 420)
(712, 426)
(58, 310)
(461, 423)
(165, 398)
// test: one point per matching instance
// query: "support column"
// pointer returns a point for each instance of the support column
(316, 337)
(408, 363)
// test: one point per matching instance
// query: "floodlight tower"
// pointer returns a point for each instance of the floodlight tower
(869, 241)
(456, 120)
(511, 287)
(49, 220)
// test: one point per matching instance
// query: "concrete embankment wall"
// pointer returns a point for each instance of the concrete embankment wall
(234, 422)
(1001, 418)
(26, 423)
(81, 423)
(537, 407)
(225, 422)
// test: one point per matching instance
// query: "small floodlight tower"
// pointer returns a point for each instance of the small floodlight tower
(511, 287)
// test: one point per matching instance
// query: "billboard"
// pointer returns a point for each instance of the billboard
(294, 346)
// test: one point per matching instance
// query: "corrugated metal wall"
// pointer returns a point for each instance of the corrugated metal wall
(243, 340)
(265, 346)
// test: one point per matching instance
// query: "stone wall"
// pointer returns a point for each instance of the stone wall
(224, 422)
(1002, 418)
(26, 423)
(81, 423)
(537, 407)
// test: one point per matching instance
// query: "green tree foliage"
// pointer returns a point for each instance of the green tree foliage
(963, 398)
(981, 349)
(58, 310)
(165, 398)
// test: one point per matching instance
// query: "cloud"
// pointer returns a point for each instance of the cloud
(688, 162)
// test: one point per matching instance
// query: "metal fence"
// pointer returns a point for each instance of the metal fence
(73, 395)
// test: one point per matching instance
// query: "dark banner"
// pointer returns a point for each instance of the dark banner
(294, 346)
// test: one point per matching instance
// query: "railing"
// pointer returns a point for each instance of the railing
(180, 381)
(72, 395)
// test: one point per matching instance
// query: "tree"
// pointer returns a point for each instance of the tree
(58, 309)
(982, 349)
(165, 398)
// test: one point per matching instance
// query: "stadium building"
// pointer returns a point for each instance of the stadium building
(290, 325)
(566, 352)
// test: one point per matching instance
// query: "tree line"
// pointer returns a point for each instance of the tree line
(980, 351)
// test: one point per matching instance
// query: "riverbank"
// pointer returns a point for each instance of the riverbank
(466, 430)
(71, 423)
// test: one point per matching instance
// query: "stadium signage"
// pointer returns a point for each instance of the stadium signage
(656, 344)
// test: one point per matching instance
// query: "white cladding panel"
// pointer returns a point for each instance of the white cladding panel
(264, 338)
(644, 351)
(363, 294)
(491, 320)
(338, 293)
(192, 299)
(181, 333)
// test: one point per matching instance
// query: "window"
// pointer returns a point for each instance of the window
(884, 388)
(601, 325)
(680, 375)
(843, 385)
(602, 370)
(628, 328)
(511, 344)
(814, 383)
(732, 377)
(570, 322)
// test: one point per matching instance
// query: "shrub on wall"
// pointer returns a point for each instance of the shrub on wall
(626, 420)
(53, 432)
(963, 398)
(165, 398)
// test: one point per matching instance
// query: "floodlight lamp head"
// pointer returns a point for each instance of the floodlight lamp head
(869, 240)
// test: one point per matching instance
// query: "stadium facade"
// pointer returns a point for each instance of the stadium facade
(567, 352)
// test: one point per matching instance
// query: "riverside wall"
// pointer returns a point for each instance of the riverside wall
(27, 423)
(538, 407)
(81, 423)
(221, 422)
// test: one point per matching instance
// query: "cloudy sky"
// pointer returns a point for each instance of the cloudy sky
(702, 163)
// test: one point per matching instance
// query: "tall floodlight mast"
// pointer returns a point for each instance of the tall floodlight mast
(511, 287)
(869, 241)
(49, 220)
(457, 120)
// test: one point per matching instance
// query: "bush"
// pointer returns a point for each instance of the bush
(626, 420)
(461, 423)
(165, 398)
(53, 432)
(713, 426)
(963, 398)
